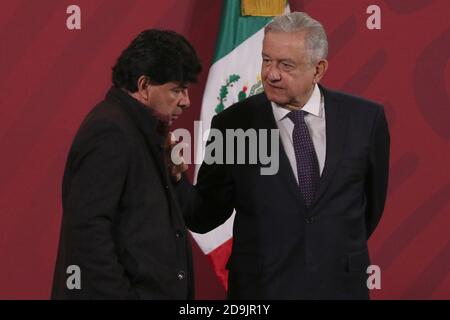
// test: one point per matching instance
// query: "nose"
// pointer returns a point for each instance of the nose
(185, 101)
(273, 73)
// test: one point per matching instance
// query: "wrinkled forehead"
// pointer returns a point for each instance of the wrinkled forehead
(292, 44)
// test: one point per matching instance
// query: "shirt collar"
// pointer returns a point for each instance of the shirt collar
(313, 106)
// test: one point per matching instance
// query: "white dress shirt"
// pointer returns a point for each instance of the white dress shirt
(315, 121)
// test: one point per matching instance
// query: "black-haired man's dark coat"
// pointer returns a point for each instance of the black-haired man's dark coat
(121, 223)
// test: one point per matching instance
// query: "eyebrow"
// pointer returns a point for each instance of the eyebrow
(180, 86)
(288, 61)
(281, 60)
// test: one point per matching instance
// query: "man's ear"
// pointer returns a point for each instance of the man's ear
(143, 83)
(321, 68)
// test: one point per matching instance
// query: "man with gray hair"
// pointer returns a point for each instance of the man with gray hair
(301, 233)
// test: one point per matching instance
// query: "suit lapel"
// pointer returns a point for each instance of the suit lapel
(336, 119)
(265, 119)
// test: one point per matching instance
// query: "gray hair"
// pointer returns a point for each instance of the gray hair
(316, 37)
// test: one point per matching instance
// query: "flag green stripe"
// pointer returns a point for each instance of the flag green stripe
(235, 29)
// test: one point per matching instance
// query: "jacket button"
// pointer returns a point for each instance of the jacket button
(166, 187)
(178, 234)
(181, 275)
(309, 220)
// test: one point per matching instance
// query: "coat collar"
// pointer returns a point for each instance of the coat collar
(154, 133)
(153, 130)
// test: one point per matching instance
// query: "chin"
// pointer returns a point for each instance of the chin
(276, 99)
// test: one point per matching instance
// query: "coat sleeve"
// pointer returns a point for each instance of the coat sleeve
(210, 203)
(97, 172)
(378, 172)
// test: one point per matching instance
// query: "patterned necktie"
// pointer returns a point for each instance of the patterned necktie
(305, 155)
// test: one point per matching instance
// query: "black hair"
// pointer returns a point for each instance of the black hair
(162, 55)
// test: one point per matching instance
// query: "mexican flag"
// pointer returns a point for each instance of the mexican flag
(234, 75)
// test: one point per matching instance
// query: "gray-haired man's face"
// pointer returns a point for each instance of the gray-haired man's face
(287, 73)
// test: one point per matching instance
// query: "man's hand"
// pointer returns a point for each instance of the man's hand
(175, 162)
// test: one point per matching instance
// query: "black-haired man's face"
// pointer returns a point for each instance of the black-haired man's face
(168, 100)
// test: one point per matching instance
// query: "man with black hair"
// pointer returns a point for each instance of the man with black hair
(122, 228)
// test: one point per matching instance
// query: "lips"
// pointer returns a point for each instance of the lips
(177, 115)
